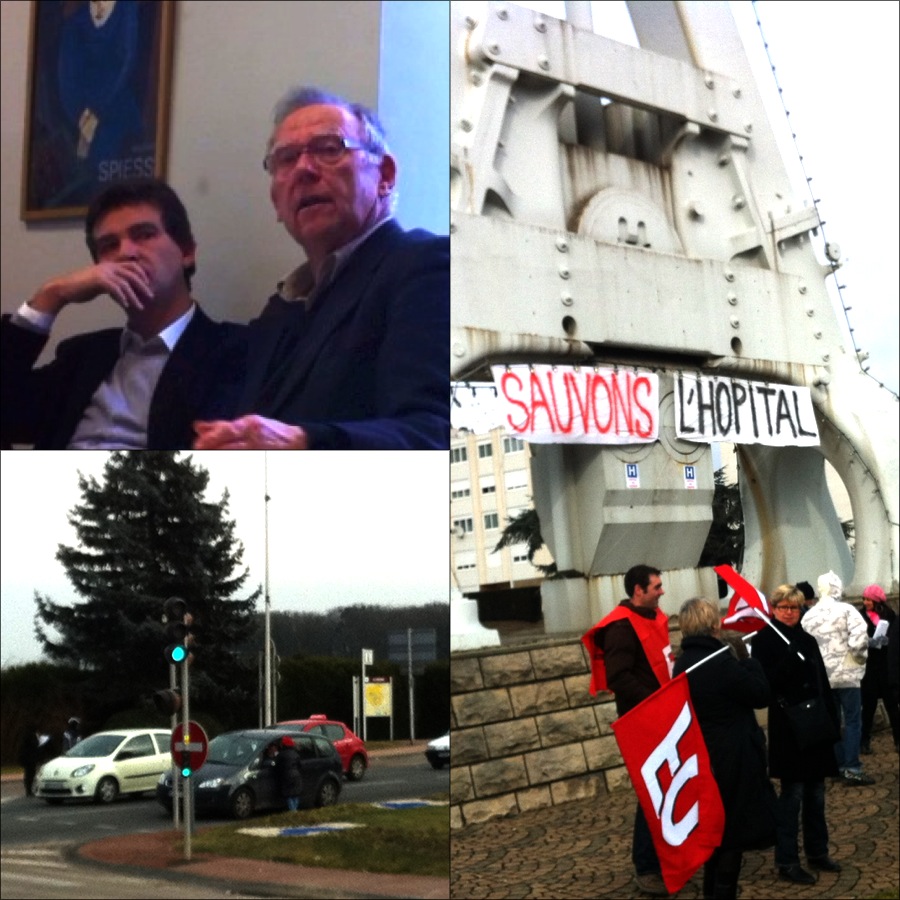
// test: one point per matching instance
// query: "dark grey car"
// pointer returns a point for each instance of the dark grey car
(238, 780)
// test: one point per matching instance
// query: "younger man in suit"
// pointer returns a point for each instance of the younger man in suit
(133, 388)
(352, 352)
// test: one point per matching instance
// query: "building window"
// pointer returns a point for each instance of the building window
(488, 485)
(520, 556)
(458, 454)
(513, 444)
(491, 520)
(464, 526)
(516, 480)
(465, 560)
(485, 450)
(459, 489)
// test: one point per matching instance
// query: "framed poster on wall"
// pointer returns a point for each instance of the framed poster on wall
(99, 79)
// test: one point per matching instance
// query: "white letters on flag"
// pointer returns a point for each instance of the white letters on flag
(675, 833)
(665, 754)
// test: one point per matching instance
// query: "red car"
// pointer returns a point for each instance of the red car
(350, 748)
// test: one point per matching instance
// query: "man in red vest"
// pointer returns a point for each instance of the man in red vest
(631, 656)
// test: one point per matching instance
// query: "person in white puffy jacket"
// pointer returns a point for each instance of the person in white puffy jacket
(843, 641)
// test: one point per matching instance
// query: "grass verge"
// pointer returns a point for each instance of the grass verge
(396, 841)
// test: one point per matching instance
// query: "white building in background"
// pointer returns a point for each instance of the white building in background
(490, 483)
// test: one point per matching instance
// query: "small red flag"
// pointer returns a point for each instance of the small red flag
(666, 757)
(746, 598)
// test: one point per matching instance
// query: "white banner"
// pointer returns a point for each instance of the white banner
(574, 404)
(709, 409)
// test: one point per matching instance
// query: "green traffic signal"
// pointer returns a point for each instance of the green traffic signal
(176, 653)
(177, 621)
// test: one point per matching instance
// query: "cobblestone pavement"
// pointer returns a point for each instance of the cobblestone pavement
(583, 848)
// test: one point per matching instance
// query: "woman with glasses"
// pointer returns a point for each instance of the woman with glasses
(793, 664)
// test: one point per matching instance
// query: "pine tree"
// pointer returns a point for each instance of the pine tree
(725, 541)
(525, 528)
(145, 533)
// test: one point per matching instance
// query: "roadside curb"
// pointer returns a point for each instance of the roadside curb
(160, 854)
(156, 852)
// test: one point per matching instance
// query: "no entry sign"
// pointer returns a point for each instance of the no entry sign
(189, 749)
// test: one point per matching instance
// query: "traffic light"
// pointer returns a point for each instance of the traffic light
(167, 701)
(179, 639)
(185, 761)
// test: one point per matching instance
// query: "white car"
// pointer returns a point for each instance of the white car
(106, 764)
(438, 751)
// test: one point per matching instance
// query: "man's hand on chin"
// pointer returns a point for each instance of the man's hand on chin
(249, 433)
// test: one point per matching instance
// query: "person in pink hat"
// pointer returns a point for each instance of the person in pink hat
(287, 773)
(876, 682)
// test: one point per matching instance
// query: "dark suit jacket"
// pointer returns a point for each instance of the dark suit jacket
(368, 367)
(202, 378)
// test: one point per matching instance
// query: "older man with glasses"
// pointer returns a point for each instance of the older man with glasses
(352, 350)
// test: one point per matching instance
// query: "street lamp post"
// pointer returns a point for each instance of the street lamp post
(267, 696)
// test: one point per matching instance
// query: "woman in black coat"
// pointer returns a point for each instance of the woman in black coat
(724, 692)
(287, 773)
(876, 682)
(802, 771)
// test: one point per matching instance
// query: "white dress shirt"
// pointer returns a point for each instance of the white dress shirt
(117, 416)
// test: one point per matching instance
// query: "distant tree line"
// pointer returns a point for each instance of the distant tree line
(346, 631)
(43, 695)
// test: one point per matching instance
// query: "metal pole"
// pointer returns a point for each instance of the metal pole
(277, 661)
(188, 793)
(176, 784)
(362, 684)
(260, 690)
(268, 636)
(579, 15)
(706, 659)
(412, 711)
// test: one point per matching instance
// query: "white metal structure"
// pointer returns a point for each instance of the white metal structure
(622, 206)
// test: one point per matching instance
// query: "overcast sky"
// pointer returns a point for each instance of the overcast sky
(344, 528)
(837, 64)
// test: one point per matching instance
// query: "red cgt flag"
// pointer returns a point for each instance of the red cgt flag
(665, 754)
(747, 603)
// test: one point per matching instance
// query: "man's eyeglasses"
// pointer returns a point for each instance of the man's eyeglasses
(325, 149)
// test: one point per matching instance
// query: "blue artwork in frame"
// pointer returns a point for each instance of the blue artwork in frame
(98, 100)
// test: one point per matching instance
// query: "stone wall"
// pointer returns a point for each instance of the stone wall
(526, 731)
(527, 734)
